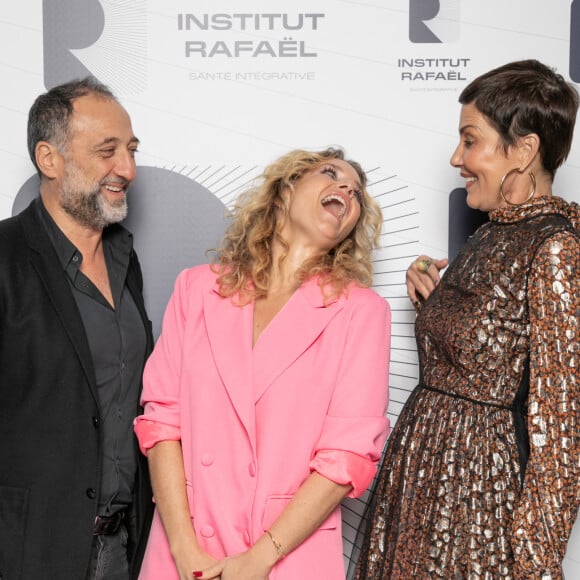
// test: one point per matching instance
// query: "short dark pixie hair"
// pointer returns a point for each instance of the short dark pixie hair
(49, 116)
(526, 97)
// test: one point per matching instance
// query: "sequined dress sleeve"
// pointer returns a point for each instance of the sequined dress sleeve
(549, 499)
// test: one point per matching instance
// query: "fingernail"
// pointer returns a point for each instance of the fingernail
(197, 574)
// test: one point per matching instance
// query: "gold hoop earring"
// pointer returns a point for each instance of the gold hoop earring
(531, 194)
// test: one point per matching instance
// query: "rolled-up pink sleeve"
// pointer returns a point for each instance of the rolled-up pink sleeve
(355, 428)
(345, 468)
(162, 375)
(150, 432)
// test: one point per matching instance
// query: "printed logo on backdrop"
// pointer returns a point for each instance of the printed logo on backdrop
(433, 22)
(463, 221)
(174, 221)
(105, 38)
(174, 218)
(575, 41)
(278, 38)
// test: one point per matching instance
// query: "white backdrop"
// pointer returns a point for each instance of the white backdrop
(216, 93)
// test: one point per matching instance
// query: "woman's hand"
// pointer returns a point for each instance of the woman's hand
(188, 560)
(245, 566)
(422, 277)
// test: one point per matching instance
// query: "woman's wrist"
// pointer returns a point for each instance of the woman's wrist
(265, 552)
(277, 545)
(185, 543)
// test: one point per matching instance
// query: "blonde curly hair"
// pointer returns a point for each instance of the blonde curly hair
(244, 259)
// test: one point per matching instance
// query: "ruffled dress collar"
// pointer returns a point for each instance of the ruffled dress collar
(536, 207)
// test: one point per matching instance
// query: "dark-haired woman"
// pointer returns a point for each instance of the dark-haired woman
(481, 474)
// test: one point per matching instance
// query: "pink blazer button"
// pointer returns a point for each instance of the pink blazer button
(207, 531)
(206, 459)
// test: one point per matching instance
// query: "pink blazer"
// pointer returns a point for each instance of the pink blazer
(253, 423)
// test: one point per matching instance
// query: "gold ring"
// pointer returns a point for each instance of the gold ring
(424, 265)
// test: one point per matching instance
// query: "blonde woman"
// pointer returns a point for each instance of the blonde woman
(265, 396)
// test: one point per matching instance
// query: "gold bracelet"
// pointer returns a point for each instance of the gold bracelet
(277, 545)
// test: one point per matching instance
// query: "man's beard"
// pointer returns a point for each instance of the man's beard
(85, 203)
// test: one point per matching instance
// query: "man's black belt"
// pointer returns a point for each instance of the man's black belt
(108, 525)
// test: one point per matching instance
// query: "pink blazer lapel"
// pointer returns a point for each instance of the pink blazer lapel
(229, 331)
(246, 373)
(291, 333)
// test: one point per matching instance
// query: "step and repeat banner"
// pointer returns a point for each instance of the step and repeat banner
(217, 89)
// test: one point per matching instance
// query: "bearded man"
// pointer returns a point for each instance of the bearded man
(75, 497)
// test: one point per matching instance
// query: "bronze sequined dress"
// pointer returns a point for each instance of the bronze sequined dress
(480, 479)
